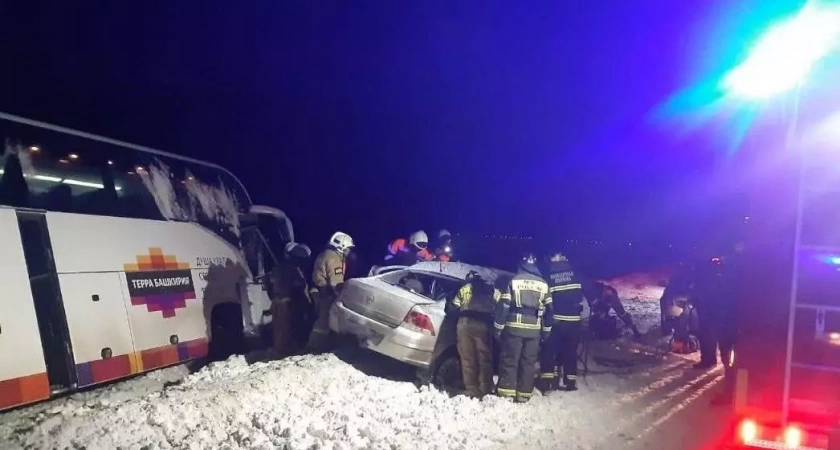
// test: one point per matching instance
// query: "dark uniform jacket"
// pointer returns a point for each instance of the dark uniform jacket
(522, 303)
(566, 292)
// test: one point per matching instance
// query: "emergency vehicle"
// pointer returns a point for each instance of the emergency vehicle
(117, 259)
(787, 357)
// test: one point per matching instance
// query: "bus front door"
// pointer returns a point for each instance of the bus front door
(49, 308)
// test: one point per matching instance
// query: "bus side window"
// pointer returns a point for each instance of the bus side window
(134, 200)
(61, 176)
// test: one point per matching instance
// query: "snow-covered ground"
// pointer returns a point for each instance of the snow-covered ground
(633, 397)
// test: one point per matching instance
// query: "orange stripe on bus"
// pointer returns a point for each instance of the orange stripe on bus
(18, 391)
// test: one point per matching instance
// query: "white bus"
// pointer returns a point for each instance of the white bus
(116, 259)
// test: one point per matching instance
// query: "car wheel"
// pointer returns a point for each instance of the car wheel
(447, 376)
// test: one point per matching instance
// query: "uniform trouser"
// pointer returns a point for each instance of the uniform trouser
(726, 333)
(561, 346)
(474, 348)
(707, 335)
(519, 354)
(319, 338)
(302, 315)
(280, 320)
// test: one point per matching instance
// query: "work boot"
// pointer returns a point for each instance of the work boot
(544, 385)
(571, 386)
(521, 399)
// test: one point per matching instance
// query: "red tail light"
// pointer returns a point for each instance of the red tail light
(420, 322)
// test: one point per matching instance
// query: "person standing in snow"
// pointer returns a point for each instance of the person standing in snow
(564, 325)
(406, 253)
(443, 249)
(518, 317)
(475, 303)
(289, 290)
(715, 297)
(603, 298)
(328, 277)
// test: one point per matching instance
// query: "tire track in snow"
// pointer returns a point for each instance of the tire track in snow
(658, 384)
(681, 405)
(678, 392)
(707, 378)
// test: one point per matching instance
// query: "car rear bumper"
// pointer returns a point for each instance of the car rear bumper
(397, 343)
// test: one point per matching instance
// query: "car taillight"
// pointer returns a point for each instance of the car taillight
(419, 322)
(748, 431)
(793, 437)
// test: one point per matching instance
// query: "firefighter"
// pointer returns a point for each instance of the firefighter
(289, 291)
(475, 303)
(443, 249)
(407, 252)
(518, 325)
(602, 299)
(328, 278)
(566, 295)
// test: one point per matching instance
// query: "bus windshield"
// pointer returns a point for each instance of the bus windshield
(56, 169)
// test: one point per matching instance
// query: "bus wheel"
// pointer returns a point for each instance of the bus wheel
(227, 332)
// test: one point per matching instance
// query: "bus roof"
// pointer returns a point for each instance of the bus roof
(35, 123)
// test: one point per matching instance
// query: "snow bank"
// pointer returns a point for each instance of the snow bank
(308, 402)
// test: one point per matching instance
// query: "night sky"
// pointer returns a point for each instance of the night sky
(380, 117)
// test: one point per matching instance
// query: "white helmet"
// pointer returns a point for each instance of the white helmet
(341, 242)
(419, 239)
(444, 233)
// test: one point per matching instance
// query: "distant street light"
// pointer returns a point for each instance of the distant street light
(783, 57)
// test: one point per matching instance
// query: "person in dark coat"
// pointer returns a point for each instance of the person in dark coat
(291, 305)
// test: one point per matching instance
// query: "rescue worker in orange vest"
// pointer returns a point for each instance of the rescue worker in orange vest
(406, 253)
(443, 249)
(290, 295)
(475, 303)
(519, 321)
(328, 277)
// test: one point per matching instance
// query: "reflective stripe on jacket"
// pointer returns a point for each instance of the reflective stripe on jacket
(521, 305)
(566, 292)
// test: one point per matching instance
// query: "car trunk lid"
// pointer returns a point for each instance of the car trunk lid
(380, 301)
